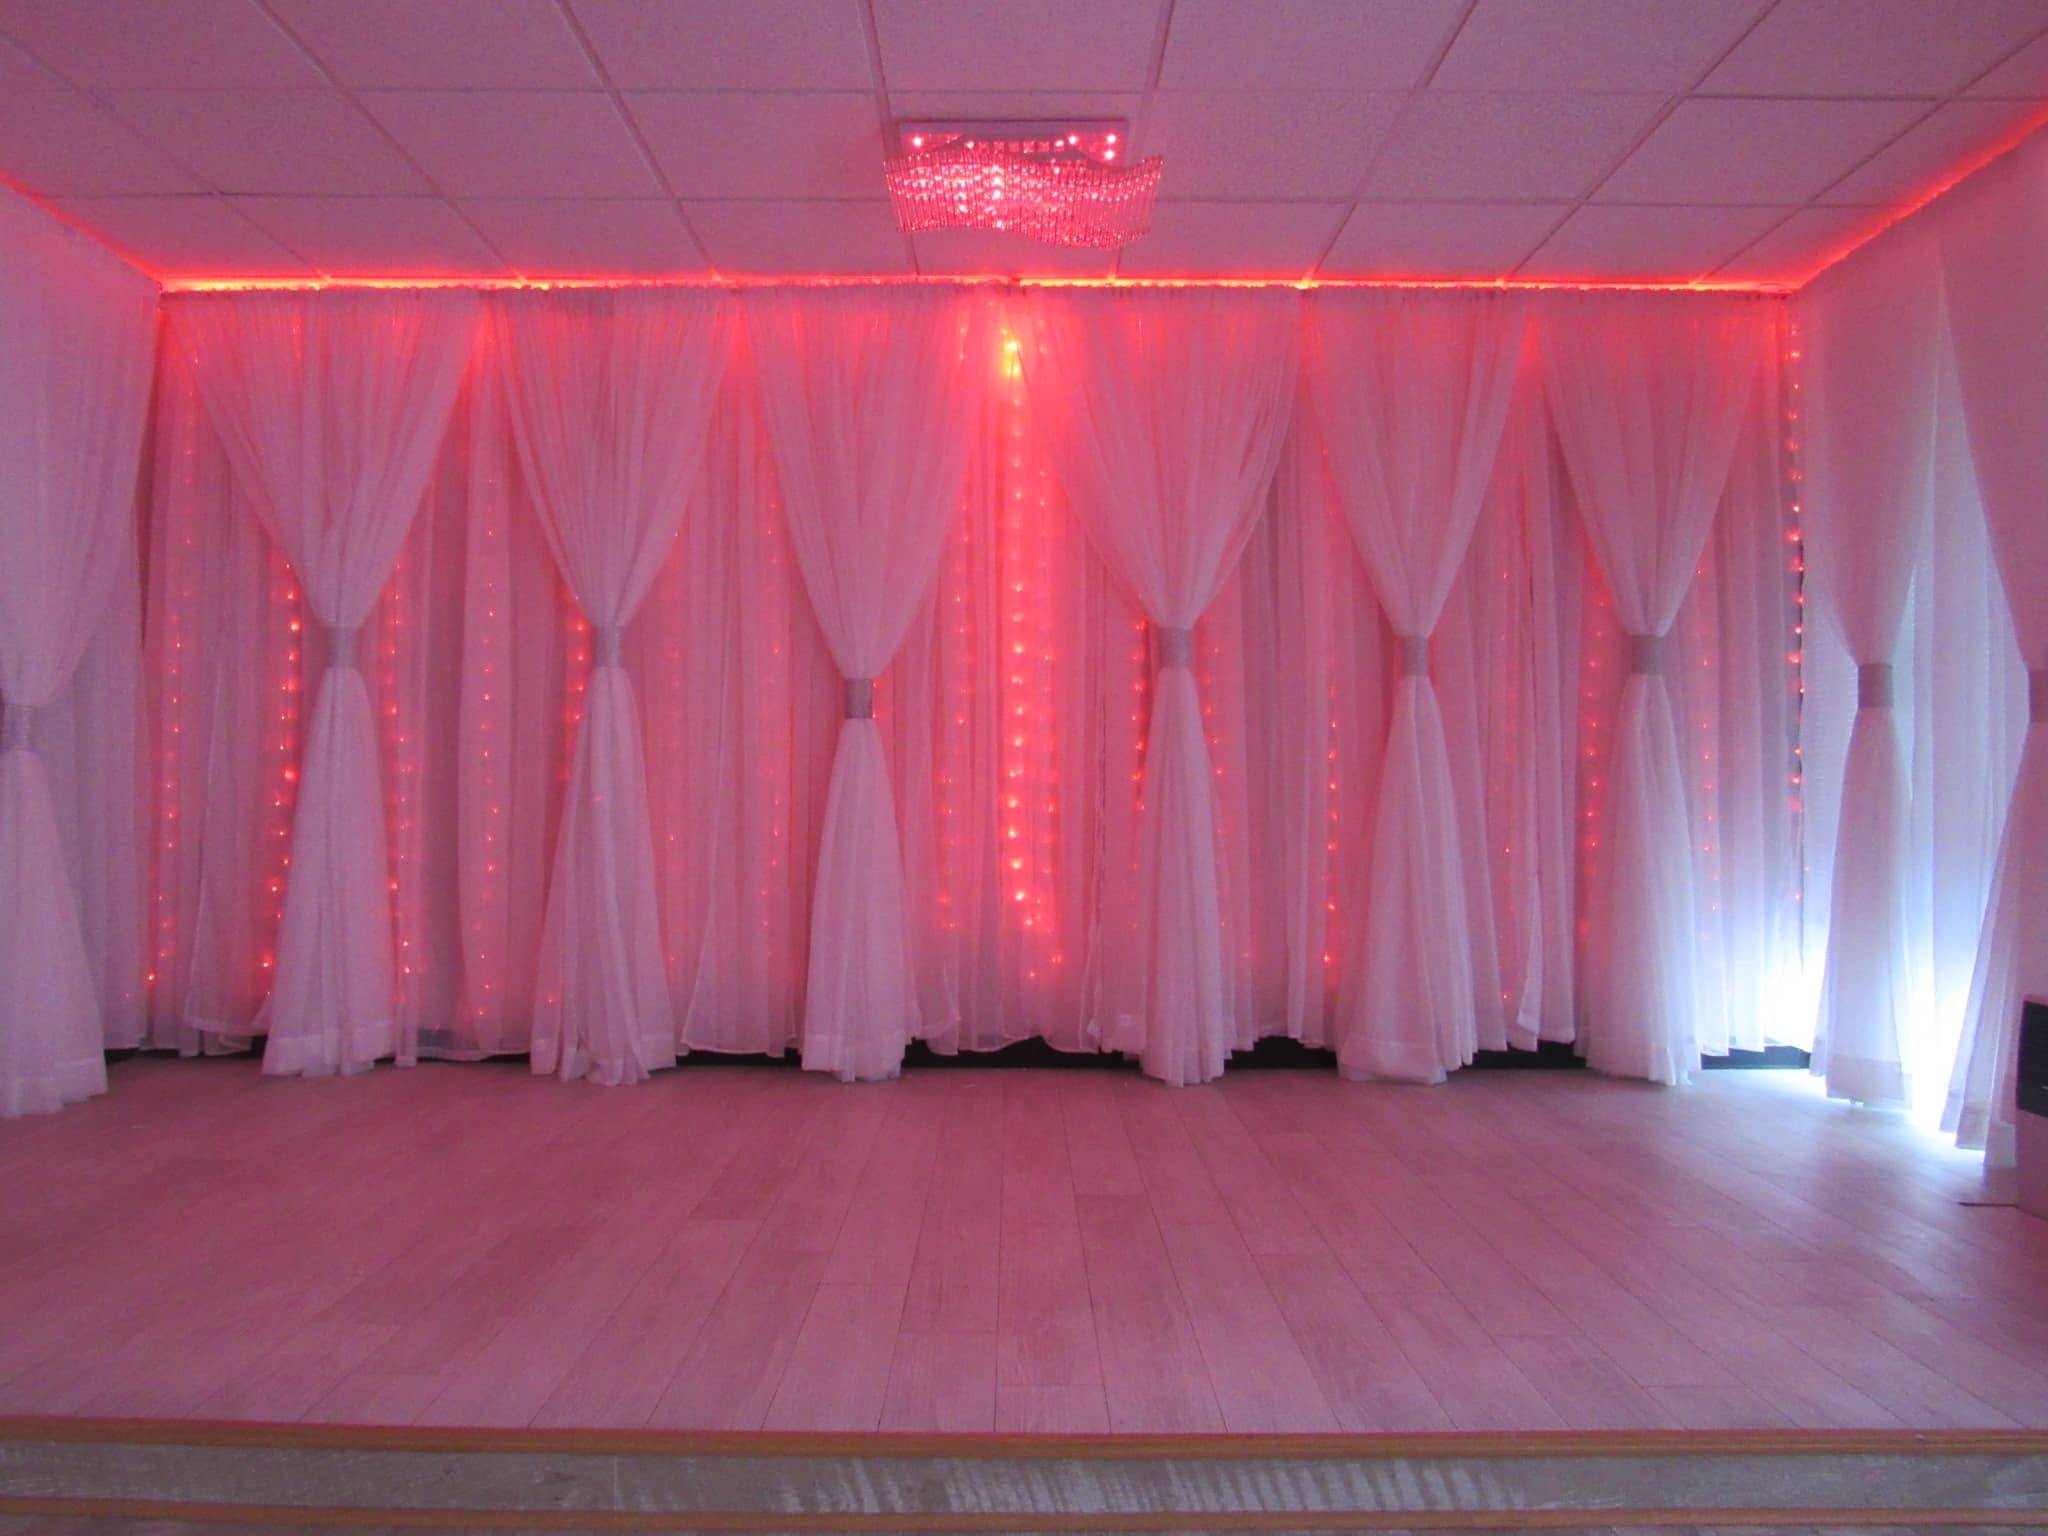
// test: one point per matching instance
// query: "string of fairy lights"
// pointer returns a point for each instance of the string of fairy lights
(1792, 385)
(1027, 632)
(488, 710)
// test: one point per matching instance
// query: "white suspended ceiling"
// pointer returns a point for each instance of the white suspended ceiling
(1600, 140)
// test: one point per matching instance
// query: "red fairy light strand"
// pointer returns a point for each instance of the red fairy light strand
(1791, 379)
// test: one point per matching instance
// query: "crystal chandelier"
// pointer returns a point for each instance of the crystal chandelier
(1060, 183)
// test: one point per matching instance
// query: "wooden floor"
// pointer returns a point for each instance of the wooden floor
(749, 1247)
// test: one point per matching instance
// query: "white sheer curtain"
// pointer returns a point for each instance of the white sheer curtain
(76, 334)
(742, 707)
(1014, 721)
(1871, 350)
(1522, 588)
(1969, 719)
(331, 407)
(869, 398)
(610, 394)
(1648, 393)
(1167, 411)
(1993, 239)
(1411, 393)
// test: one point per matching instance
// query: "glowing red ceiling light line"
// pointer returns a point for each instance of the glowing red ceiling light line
(1768, 289)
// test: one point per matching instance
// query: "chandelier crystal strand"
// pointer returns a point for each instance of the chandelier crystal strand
(1060, 190)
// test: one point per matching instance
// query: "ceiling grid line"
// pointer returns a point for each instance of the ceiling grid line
(1671, 105)
(885, 113)
(355, 103)
(99, 99)
(1410, 97)
(1934, 107)
(1141, 125)
(632, 125)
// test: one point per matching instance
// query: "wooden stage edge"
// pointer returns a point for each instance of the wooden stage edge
(106, 1475)
(1060, 1447)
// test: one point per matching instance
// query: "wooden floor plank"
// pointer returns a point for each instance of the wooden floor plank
(942, 1383)
(1368, 1383)
(1153, 1371)
(738, 1245)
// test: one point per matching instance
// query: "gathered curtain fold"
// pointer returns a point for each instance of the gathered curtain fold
(610, 394)
(1996, 288)
(1411, 395)
(1873, 371)
(331, 407)
(76, 341)
(1648, 394)
(1166, 412)
(870, 400)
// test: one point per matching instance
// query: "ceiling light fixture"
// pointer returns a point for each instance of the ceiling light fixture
(1062, 183)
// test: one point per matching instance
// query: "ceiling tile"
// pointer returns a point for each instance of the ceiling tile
(1459, 240)
(1874, 47)
(57, 143)
(1006, 106)
(1646, 244)
(517, 143)
(1233, 239)
(1590, 45)
(1486, 146)
(570, 237)
(1307, 44)
(1721, 150)
(831, 238)
(1266, 144)
(1929, 153)
(2023, 76)
(301, 143)
(1046, 45)
(1794, 250)
(978, 252)
(790, 45)
(375, 236)
(759, 144)
(185, 236)
(19, 72)
(442, 44)
(173, 44)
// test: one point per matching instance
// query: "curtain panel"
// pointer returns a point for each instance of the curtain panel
(1016, 718)
(1412, 396)
(609, 397)
(1923, 348)
(77, 332)
(1869, 498)
(1996, 288)
(1649, 397)
(869, 402)
(331, 410)
(1166, 412)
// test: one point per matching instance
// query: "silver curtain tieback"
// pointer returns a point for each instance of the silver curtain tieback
(1176, 646)
(1874, 685)
(860, 698)
(1414, 655)
(17, 726)
(1646, 655)
(611, 645)
(2037, 696)
(341, 645)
